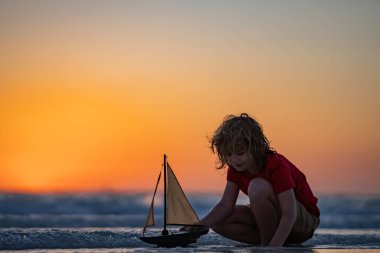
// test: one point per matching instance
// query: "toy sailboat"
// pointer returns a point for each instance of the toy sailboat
(177, 211)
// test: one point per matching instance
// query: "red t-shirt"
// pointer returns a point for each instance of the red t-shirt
(282, 175)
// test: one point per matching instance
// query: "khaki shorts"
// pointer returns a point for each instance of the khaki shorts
(304, 226)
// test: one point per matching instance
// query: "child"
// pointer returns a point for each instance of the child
(282, 206)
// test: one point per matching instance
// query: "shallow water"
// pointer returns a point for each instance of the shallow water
(108, 238)
(113, 223)
(207, 249)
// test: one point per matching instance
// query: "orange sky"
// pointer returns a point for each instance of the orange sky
(92, 93)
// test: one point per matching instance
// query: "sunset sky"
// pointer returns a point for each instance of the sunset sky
(93, 93)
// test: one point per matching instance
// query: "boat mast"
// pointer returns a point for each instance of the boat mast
(165, 231)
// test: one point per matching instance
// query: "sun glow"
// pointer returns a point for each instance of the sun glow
(91, 96)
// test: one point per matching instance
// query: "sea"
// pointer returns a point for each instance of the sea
(113, 222)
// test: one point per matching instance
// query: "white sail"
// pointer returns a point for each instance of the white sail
(150, 218)
(179, 210)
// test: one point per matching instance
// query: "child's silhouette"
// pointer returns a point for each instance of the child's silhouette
(282, 206)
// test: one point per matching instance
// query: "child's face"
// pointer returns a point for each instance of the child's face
(240, 160)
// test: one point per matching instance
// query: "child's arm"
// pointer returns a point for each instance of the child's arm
(224, 208)
(288, 205)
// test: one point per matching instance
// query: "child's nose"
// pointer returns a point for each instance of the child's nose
(235, 160)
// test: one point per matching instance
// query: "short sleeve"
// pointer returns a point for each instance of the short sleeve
(282, 177)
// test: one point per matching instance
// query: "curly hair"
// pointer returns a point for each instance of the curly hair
(240, 133)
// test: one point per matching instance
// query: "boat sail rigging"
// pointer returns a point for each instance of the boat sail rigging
(177, 211)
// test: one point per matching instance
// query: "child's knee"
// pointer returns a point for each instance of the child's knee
(260, 189)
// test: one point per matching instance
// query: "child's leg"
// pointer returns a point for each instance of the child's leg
(240, 226)
(265, 208)
(304, 226)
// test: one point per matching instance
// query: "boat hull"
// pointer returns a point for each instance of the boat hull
(182, 239)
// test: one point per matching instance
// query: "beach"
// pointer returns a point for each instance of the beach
(127, 240)
(113, 223)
